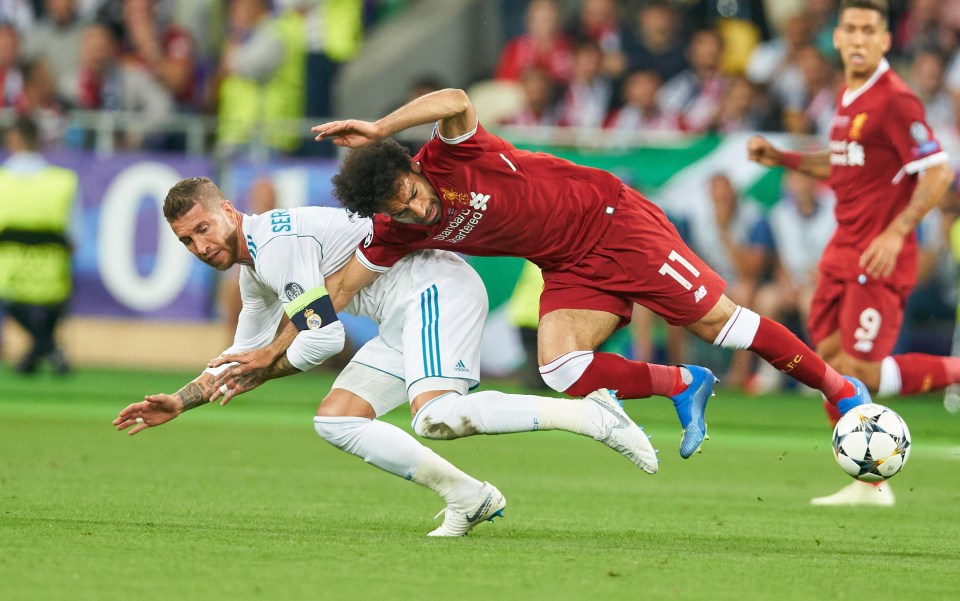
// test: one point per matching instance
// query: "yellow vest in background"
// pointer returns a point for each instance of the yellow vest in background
(35, 211)
(245, 105)
(342, 22)
(523, 307)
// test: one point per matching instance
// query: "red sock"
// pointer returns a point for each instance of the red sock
(833, 414)
(631, 379)
(923, 373)
(779, 347)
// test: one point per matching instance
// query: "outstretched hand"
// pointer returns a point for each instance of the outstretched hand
(350, 133)
(153, 410)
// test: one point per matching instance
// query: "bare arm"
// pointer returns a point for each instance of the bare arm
(451, 107)
(348, 281)
(881, 255)
(815, 164)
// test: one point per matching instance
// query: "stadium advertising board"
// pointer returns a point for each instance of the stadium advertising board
(127, 262)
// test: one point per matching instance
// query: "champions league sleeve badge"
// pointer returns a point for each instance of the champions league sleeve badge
(925, 144)
(919, 133)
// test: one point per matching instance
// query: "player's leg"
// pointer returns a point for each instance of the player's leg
(441, 336)
(732, 326)
(347, 420)
(570, 364)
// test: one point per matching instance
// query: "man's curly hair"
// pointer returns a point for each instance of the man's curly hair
(368, 179)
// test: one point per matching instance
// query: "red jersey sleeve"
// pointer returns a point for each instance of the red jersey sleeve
(388, 243)
(911, 137)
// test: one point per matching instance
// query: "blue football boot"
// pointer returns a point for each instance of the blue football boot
(861, 396)
(691, 405)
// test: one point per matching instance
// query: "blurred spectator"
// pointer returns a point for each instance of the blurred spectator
(40, 102)
(162, 47)
(599, 21)
(56, 37)
(18, 13)
(587, 97)
(261, 96)
(923, 28)
(543, 45)
(334, 34)
(641, 111)
(927, 81)
(695, 93)
(539, 105)
(814, 114)
(931, 307)
(739, 109)
(773, 64)
(802, 223)
(655, 43)
(733, 232)
(102, 81)
(11, 80)
(823, 16)
(206, 23)
(35, 207)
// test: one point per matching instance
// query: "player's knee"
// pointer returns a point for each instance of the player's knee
(339, 431)
(738, 331)
(565, 373)
(440, 419)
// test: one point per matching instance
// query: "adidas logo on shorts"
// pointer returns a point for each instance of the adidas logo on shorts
(460, 366)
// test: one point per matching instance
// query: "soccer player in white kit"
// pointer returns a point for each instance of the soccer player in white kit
(430, 308)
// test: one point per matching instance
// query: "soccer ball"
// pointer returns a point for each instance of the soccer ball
(871, 442)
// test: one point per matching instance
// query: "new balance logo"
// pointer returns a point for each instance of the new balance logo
(699, 294)
(460, 366)
(479, 201)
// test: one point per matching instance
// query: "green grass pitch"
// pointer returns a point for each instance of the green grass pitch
(246, 502)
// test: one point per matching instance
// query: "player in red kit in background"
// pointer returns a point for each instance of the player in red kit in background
(887, 171)
(601, 246)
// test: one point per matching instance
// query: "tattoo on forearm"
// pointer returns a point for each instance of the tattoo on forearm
(193, 395)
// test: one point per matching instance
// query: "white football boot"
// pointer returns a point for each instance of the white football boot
(621, 434)
(459, 522)
(859, 493)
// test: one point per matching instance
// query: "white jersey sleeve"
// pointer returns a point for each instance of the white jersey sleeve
(259, 317)
(292, 250)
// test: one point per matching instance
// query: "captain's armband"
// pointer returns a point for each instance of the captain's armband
(311, 310)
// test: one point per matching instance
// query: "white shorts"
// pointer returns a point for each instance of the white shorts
(430, 307)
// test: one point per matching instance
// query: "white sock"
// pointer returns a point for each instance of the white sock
(393, 450)
(491, 412)
(889, 378)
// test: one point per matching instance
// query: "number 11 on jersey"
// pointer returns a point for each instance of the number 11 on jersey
(667, 269)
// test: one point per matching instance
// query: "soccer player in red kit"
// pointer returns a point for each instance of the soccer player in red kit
(601, 246)
(887, 171)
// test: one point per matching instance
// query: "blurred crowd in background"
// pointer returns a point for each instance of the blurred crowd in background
(258, 68)
(690, 66)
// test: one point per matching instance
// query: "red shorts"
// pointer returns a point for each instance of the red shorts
(868, 316)
(640, 259)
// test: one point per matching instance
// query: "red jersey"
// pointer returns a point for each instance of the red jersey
(500, 201)
(879, 142)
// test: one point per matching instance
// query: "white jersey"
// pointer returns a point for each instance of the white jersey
(293, 250)
(430, 306)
